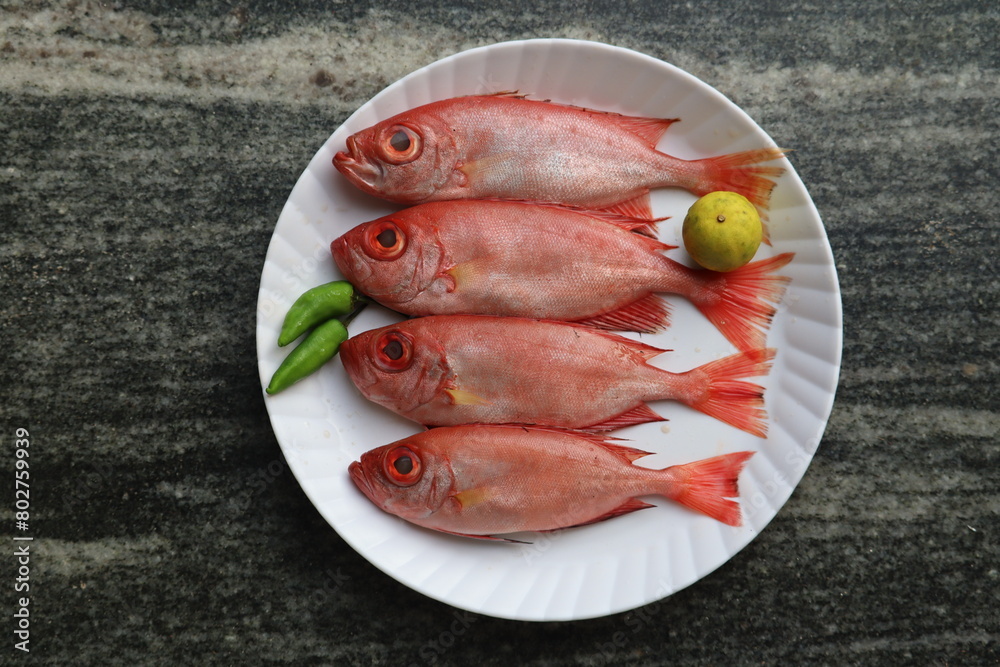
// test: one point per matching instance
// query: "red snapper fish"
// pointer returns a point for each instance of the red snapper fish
(540, 261)
(482, 481)
(504, 146)
(445, 370)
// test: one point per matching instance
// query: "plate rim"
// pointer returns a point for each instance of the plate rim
(836, 342)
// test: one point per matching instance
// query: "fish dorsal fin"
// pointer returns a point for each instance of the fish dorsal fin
(619, 215)
(627, 507)
(500, 93)
(504, 93)
(650, 130)
(647, 315)
(640, 414)
(638, 207)
(463, 397)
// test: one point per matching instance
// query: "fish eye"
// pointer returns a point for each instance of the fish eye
(401, 144)
(402, 466)
(384, 240)
(400, 141)
(393, 351)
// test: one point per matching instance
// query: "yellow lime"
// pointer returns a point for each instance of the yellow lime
(722, 231)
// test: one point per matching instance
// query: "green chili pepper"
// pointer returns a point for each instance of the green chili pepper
(318, 305)
(319, 347)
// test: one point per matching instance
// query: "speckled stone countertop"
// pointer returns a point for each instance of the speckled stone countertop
(146, 150)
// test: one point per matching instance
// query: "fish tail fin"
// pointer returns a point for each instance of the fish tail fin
(707, 486)
(718, 390)
(743, 309)
(741, 173)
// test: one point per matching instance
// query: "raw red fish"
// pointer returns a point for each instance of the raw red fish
(550, 262)
(482, 481)
(463, 369)
(508, 147)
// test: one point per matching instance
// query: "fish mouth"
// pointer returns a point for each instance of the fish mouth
(350, 356)
(349, 260)
(357, 168)
(338, 248)
(360, 480)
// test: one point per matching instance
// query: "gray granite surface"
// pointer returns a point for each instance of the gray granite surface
(146, 150)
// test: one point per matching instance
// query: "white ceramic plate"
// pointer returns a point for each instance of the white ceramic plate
(322, 423)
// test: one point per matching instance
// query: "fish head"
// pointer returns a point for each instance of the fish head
(393, 259)
(404, 478)
(396, 366)
(404, 159)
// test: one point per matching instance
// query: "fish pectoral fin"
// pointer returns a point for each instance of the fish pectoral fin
(627, 507)
(463, 397)
(471, 497)
(460, 274)
(474, 169)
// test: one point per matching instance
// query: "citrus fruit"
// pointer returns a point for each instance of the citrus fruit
(722, 231)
